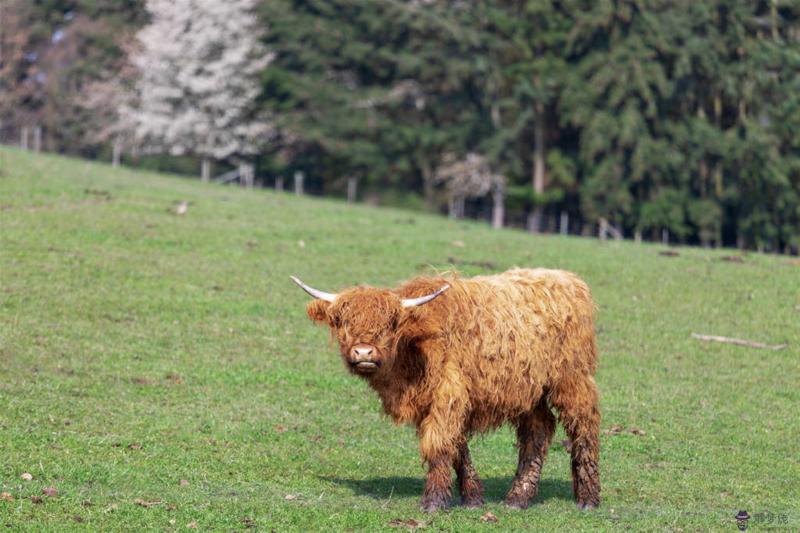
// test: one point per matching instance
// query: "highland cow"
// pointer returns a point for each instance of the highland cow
(455, 357)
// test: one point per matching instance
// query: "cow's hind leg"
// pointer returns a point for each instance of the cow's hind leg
(469, 484)
(577, 402)
(534, 432)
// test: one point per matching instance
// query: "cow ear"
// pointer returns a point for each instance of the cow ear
(318, 310)
(411, 324)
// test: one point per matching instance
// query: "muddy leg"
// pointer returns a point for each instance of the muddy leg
(440, 434)
(534, 432)
(469, 484)
(577, 402)
(436, 494)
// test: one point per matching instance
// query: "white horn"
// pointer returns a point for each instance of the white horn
(413, 302)
(328, 297)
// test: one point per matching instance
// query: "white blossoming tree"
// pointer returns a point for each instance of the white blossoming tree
(200, 64)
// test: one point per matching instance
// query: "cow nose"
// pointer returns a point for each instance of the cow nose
(361, 352)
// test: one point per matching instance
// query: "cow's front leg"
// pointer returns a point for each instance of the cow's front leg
(436, 495)
(440, 434)
(468, 481)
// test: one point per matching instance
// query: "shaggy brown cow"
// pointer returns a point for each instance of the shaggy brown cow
(460, 356)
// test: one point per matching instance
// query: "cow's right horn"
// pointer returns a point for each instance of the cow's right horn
(322, 295)
(413, 302)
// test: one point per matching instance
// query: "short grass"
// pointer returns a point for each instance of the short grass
(139, 348)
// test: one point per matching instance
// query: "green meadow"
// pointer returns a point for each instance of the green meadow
(159, 372)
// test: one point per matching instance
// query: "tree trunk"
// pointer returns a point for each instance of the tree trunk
(535, 219)
(773, 12)
(427, 184)
(495, 113)
(205, 169)
(703, 171)
(703, 167)
(717, 171)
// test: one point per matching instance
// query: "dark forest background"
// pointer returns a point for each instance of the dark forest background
(659, 118)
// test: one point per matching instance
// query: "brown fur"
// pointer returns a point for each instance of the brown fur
(490, 350)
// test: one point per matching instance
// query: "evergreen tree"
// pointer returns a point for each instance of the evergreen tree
(379, 90)
(524, 73)
(615, 97)
(654, 115)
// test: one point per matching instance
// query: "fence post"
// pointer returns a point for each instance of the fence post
(456, 208)
(279, 183)
(247, 175)
(116, 153)
(352, 190)
(37, 138)
(664, 236)
(534, 222)
(564, 223)
(23, 138)
(205, 169)
(498, 208)
(298, 182)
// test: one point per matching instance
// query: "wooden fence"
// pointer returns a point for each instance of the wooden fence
(492, 209)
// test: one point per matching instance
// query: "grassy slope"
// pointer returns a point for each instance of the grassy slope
(121, 323)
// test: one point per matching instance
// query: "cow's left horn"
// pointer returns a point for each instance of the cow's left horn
(322, 295)
(413, 302)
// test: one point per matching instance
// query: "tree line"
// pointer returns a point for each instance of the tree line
(652, 117)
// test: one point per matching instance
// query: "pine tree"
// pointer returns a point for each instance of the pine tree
(614, 98)
(525, 69)
(377, 90)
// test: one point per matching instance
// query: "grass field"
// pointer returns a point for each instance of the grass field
(139, 348)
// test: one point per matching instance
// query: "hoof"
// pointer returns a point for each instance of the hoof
(472, 503)
(517, 503)
(587, 506)
(432, 505)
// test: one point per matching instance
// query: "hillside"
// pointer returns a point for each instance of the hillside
(139, 348)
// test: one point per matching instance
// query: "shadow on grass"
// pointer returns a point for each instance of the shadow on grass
(495, 488)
